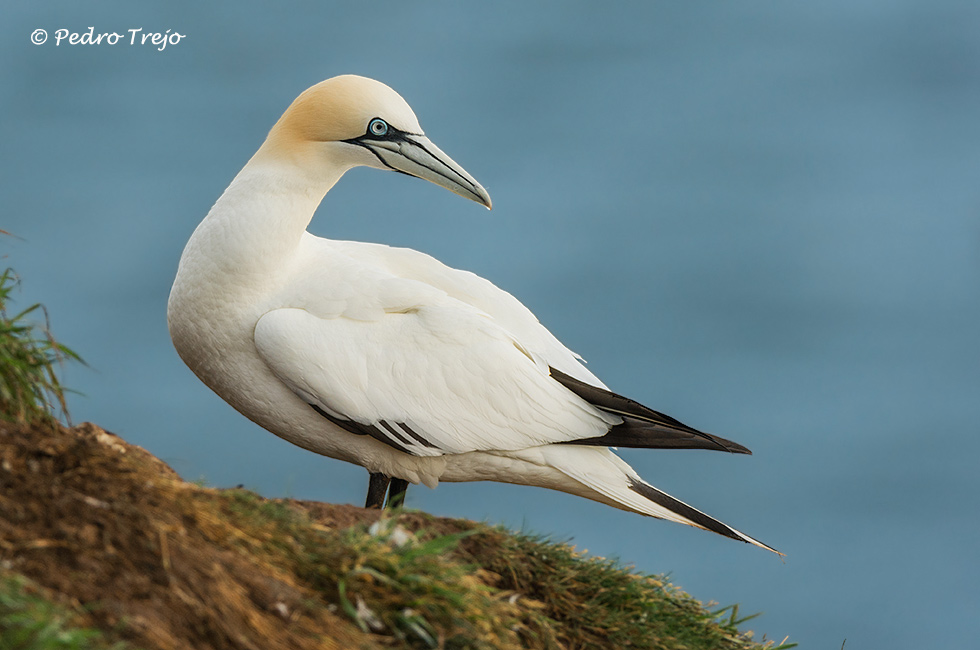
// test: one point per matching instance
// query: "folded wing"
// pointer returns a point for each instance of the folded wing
(433, 380)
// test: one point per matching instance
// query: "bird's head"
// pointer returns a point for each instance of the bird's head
(350, 121)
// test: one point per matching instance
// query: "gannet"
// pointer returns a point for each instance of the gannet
(385, 357)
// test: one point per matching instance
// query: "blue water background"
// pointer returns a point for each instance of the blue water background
(761, 217)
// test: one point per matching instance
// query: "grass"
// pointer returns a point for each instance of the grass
(30, 391)
(596, 602)
(385, 579)
(30, 622)
(479, 587)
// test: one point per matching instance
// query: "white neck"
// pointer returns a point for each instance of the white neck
(258, 221)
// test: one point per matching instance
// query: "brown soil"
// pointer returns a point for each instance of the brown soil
(100, 523)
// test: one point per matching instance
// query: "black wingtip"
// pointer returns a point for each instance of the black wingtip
(735, 448)
(642, 427)
(641, 434)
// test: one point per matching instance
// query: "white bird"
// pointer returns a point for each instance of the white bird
(385, 357)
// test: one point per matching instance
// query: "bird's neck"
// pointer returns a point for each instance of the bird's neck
(256, 225)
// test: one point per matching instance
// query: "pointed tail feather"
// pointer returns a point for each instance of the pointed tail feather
(693, 516)
(610, 476)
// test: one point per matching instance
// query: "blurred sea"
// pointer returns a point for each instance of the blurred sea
(762, 218)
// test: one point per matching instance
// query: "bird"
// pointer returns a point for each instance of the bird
(383, 356)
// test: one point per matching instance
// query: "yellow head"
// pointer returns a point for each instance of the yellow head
(353, 121)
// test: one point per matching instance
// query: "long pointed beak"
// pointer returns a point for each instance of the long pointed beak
(417, 156)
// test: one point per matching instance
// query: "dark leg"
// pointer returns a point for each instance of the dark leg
(396, 494)
(377, 486)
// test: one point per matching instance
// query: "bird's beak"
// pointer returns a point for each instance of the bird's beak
(415, 155)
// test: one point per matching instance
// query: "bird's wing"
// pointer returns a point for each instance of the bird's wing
(434, 376)
(640, 426)
(391, 343)
(506, 310)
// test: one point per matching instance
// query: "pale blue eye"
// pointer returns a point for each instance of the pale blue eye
(378, 127)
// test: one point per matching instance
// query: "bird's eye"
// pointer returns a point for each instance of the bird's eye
(378, 127)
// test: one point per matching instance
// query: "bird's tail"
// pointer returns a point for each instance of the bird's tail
(605, 474)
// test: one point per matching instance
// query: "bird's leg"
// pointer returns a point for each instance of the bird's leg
(397, 492)
(377, 487)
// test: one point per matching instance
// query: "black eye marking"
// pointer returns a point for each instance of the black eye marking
(377, 128)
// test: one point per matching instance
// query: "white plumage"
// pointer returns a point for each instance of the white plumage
(385, 357)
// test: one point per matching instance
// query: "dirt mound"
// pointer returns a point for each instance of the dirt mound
(103, 523)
